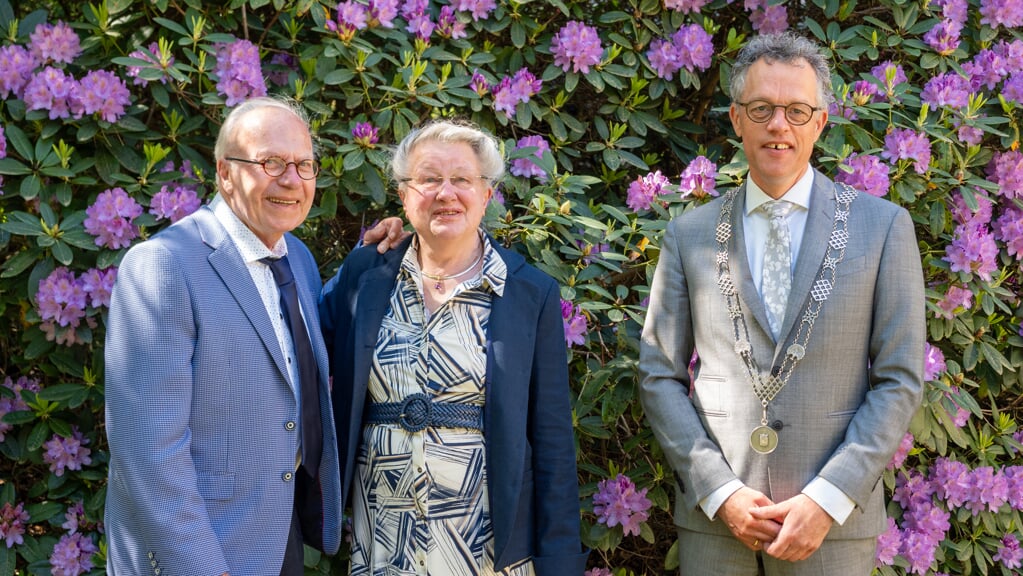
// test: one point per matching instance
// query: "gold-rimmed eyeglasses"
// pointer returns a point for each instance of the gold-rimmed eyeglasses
(274, 166)
(431, 185)
(797, 113)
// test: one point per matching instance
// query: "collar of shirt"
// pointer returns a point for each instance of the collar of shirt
(249, 245)
(799, 194)
(494, 273)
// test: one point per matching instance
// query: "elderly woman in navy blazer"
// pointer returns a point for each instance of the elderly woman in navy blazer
(450, 374)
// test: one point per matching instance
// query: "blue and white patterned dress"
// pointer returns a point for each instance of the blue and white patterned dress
(420, 501)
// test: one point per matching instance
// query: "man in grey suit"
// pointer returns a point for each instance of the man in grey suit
(803, 301)
(223, 455)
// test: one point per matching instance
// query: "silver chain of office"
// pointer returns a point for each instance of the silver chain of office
(767, 386)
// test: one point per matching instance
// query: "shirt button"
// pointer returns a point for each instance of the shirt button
(289, 425)
(287, 476)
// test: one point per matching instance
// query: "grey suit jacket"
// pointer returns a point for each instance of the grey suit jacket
(848, 402)
(200, 415)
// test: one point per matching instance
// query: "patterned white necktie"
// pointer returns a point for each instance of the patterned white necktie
(777, 273)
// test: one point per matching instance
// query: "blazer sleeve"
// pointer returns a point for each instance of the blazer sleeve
(666, 347)
(151, 337)
(556, 481)
(897, 341)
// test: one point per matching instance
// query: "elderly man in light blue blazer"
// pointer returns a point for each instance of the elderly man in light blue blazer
(804, 304)
(212, 470)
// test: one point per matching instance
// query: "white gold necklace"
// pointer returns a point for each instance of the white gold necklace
(439, 279)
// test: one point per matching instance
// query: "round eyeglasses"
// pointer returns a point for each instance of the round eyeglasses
(274, 166)
(760, 111)
(431, 185)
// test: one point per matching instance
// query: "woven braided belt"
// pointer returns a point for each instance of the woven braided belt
(418, 411)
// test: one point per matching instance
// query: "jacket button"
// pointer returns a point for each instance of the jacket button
(289, 425)
(287, 476)
(777, 425)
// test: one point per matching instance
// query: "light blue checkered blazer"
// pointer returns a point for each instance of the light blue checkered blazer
(199, 411)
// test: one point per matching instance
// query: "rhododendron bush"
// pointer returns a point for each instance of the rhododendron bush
(613, 118)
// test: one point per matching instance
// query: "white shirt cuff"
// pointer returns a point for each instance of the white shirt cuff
(711, 503)
(830, 498)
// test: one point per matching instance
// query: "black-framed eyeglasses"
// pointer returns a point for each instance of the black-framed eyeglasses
(797, 113)
(431, 185)
(274, 166)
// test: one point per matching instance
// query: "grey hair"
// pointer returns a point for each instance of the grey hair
(228, 128)
(788, 48)
(486, 147)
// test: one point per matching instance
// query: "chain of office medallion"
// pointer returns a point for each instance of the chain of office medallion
(766, 387)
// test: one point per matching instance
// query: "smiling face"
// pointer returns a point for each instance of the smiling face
(268, 206)
(450, 216)
(778, 152)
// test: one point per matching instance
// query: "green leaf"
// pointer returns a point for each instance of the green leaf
(38, 435)
(62, 253)
(23, 228)
(12, 167)
(43, 511)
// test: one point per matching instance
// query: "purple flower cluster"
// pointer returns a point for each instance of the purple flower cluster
(685, 6)
(907, 144)
(239, 75)
(12, 523)
(75, 520)
(956, 300)
(970, 135)
(767, 18)
(109, 218)
(926, 500)
(986, 70)
(576, 46)
(526, 167)
(479, 83)
(174, 202)
(934, 362)
(72, 555)
(1006, 170)
(944, 38)
(973, 250)
(103, 92)
(691, 47)
(55, 43)
(575, 323)
(949, 89)
(17, 403)
(351, 16)
(97, 285)
(448, 25)
(62, 298)
(617, 502)
(1009, 553)
(591, 251)
(995, 13)
(645, 189)
(157, 60)
(480, 9)
(598, 572)
(417, 14)
(1009, 229)
(66, 453)
(882, 71)
(699, 178)
(383, 12)
(16, 66)
(51, 90)
(864, 92)
(513, 90)
(868, 174)
(365, 134)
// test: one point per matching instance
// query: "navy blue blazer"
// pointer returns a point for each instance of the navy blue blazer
(533, 484)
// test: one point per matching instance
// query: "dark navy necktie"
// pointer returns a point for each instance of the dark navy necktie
(312, 431)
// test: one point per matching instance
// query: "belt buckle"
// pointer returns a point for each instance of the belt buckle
(416, 412)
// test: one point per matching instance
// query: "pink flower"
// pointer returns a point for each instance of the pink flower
(513, 90)
(16, 66)
(109, 219)
(66, 453)
(901, 452)
(526, 167)
(238, 71)
(103, 92)
(617, 502)
(57, 43)
(645, 189)
(61, 298)
(699, 177)
(365, 134)
(906, 144)
(51, 90)
(574, 323)
(576, 46)
(868, 174)
(12, 523)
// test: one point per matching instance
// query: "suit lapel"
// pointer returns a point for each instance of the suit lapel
(228, 264)
(738, 263)
(819, 222)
